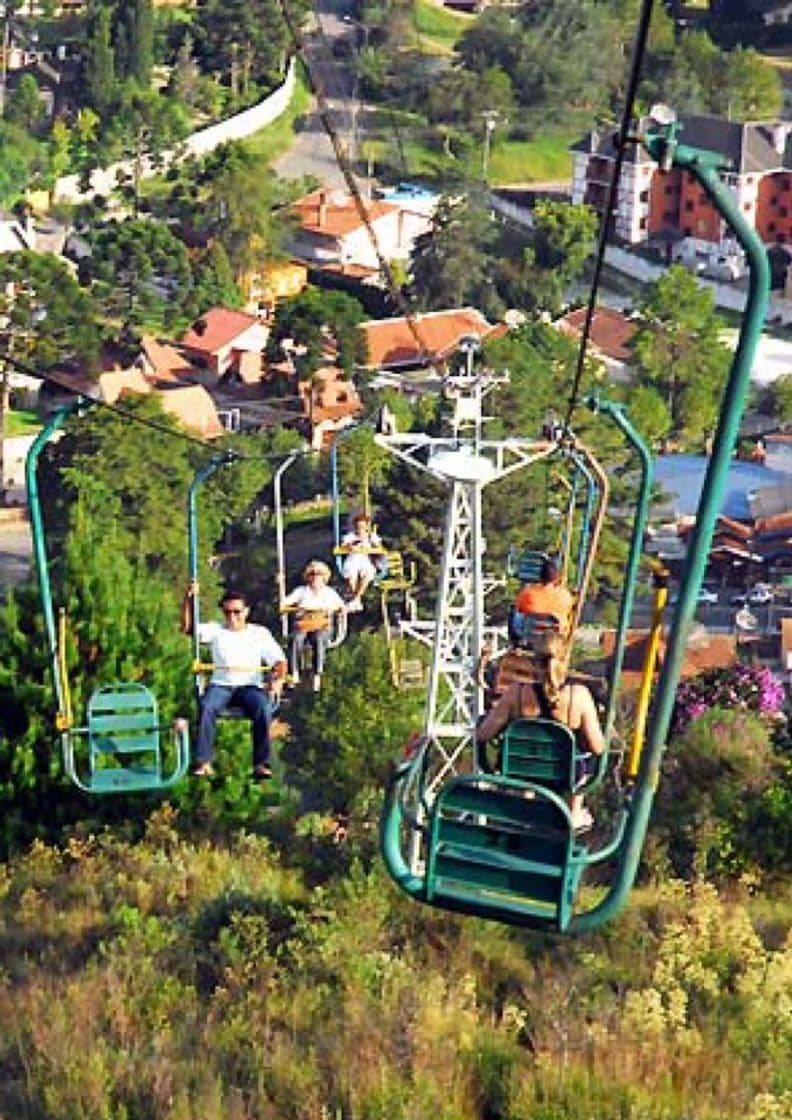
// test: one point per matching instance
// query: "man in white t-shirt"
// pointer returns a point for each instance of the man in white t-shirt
(239, 650)
(312, 603)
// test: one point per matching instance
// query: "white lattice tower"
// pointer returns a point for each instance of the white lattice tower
(467, 463)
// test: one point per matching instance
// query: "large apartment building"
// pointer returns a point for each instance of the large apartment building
(663, 208)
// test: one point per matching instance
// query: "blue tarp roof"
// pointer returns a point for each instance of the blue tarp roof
(682, 477)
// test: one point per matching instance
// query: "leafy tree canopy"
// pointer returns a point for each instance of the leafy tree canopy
(450, 265)
(140, 274)
(679, 352)
(309, 321)
(49, 318)
(246, 42)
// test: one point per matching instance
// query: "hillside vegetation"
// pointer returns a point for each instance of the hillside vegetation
(238, 951)
(213, 977)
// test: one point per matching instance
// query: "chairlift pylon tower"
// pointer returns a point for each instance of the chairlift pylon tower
(465, 462)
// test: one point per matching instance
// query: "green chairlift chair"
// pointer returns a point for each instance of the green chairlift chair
(124, 744)
(124, 751)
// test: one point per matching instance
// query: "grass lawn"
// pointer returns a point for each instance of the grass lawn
(20, 423)
(545, 159)
(438, 28)
(511, 162)
(269, 143)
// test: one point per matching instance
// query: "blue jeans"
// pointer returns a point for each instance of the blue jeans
(257, 705)
(317, 640)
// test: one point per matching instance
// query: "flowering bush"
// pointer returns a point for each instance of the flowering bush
(750, 688)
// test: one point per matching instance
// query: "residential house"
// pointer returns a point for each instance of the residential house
(161, 363)
(192, 405)
(610, 336)
(402, 344)
(670, 208)
(47, 77)
(194, 409)
(334, 236)
(330, 402)
(115, 383)
(216, 341)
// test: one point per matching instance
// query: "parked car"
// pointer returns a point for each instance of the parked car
(707, 596)
(760, 594)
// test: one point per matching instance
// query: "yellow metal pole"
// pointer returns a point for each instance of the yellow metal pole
(660, 582)
(63, 719)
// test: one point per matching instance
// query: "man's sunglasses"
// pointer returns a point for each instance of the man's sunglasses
(234, 610)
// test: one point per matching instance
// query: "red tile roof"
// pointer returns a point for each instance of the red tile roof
(610, 331)
(329, 395)
(216, 329)
(194, 409)
(116, 383)
(165, 360)
(706, 651)
(335, 213)
(392, 342)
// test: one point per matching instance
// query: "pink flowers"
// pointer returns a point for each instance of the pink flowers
(751, 688)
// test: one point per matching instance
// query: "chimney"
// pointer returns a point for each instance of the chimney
(322, 215)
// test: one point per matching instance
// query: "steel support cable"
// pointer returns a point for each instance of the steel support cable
(621, 141)
(349, 177)
(154, 425)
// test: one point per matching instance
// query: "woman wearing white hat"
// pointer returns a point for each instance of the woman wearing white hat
(313, 604)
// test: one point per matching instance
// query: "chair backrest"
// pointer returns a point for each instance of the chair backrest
(123, 721)
(529, 566)
(540, 751)
(503, 851)
(395, 576)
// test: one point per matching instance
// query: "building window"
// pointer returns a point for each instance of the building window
(746, 206)
(688, 231)
(669, 217)
(643, 196)
(642, 223)
(688, 207)
(774, 200)
(784, 211)
(771, 227)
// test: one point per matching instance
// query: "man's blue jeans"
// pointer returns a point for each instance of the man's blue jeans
(257, 705)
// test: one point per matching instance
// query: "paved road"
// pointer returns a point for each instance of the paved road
(16, 550)
(312, 153)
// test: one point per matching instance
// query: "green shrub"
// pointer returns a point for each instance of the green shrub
(716, 775)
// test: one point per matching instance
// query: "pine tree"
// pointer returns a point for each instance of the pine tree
(99, 66)
(135, 41)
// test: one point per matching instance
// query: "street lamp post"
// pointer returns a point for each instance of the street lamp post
(491, 119)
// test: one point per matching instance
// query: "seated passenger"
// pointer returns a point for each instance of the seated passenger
(364, 554)
(239, 649)
(553, 698)
(548, 597)
(313, 603)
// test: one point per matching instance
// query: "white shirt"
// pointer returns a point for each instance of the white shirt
(307, 599)
(236, 654)
(364, 541)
